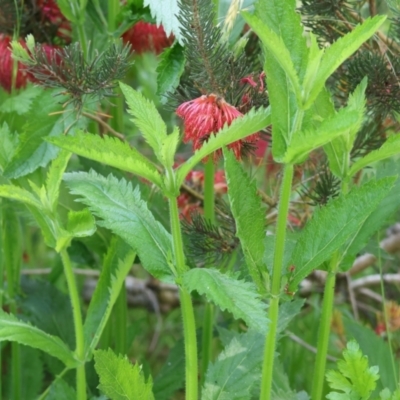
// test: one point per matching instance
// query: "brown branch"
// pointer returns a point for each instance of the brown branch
(104, 125)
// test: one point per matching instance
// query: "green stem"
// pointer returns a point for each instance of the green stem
(83, 40)
(113, 10)
(121, 322)
(189, 326)
(324, 330)
(273, 313)
(78, 325)
(208, 319)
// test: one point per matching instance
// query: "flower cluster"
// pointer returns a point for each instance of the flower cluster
(147, 37)
(207, 115)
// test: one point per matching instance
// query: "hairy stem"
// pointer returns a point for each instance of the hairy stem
(270, 343)
(78, 325)
(189, 326)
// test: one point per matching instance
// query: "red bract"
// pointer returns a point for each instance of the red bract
(207, 115)
(144, 37)
(6, 66)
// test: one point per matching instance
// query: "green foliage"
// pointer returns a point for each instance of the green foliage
(237, 369)
(252, 122)
(338, 151)
(339, 51)
(109, 151)
(21, 332)
(22, 102)
(332, 225)
(60, 390)
(249, 215)
(32, 152)
(390, 148)
(47, 308)
(119, 379)
(387, 395)
(54, 177)
(8, 144)
(149, 121)
(16, 193)
(377, 350)
(275, 46)
(170, 69)
(116, 265)
(172, 374)
(229, 293)
(122, 210)
(355, 378)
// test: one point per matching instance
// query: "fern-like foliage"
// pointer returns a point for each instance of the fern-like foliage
(355, 379)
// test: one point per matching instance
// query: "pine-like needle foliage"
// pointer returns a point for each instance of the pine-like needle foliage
(210, 67)
(207, 242)
(67, 69)
(325, 187)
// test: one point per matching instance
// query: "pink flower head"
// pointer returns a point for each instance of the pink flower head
(207, 115)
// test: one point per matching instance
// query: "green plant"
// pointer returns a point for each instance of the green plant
(84, 187)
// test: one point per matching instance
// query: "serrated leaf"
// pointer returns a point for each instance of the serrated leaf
(32, 152)
(116, 265)
(376, 221)
(122, 210)
(338, 150)
(252, 122)
(276, 48)
(21, 332)
(304, 142)
(376, 349)
(22, 102)
(390, 148)
(170, 69)
(109, 151)
(8, 145)
(165, 12)
(287, 311)
(340, 51)
(119, 379)
(249, 217)
(168, 149)
(229, 293)
(147, 118)
(332, 225)
(236, 370)
(54, 177)
(280, 16)
(355, 377)
(16, 193)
